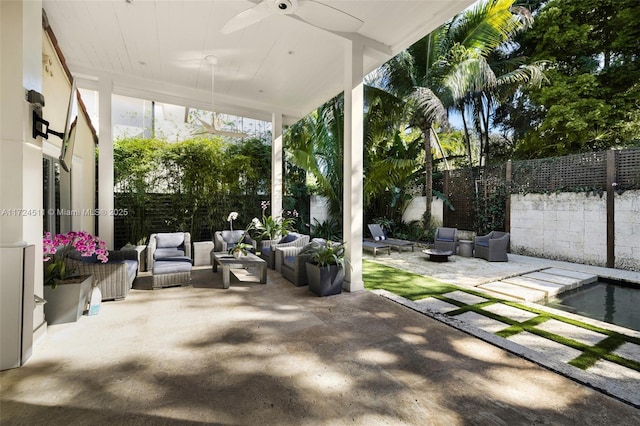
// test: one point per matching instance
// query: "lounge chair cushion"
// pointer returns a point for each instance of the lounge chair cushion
(166, 240)
(132, 267)
(232, 237)
(171, 267)
(163, 253)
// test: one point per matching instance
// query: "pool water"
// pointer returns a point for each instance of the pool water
(615, 304)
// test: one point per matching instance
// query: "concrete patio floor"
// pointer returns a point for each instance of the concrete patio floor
(276, 354)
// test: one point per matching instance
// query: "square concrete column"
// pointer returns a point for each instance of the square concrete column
(276, 164)
(353, 163)
(105, 165)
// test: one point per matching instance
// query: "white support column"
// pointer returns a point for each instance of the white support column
(20, 167)
(105, 165)
(353, 163)
(276, 163)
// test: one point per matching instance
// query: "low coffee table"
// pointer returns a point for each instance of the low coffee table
(438, 255)
(228, 262)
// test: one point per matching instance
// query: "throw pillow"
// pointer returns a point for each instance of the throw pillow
(289, 238)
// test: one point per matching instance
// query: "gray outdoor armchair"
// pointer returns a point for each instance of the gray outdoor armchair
(492, 247)
(169, 259)
(292, 264)
(446, 239)
(226, 240)
(292, 239)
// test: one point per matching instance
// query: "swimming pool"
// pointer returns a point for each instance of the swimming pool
(613, 303)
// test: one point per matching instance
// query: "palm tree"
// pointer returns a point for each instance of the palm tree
(484, 68)
(449, 69)
(315, 144)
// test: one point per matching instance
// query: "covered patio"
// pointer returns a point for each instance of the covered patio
(270, 354)
(279, 64)
(276, 354)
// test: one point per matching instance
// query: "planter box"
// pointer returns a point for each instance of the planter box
(325, 281)
(67, 301)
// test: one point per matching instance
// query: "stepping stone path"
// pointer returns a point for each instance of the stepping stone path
(619, 380)
(536, 286)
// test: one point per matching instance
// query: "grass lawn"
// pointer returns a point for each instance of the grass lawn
(414, 287)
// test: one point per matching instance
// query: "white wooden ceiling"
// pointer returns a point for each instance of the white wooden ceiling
(155, 49)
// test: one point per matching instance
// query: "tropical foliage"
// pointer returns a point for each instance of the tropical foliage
(564, 82)
(590, 102)
(462, 67)
(202, 179)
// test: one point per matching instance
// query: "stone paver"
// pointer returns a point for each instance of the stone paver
(573, 332)
(567, 282)
(584, 276)
(626, 381)
(436, 305)
(629, 351)
(465, 297)
(483, 323)
(518, 292)
(551, 349)
(551, 289)
(510, 312)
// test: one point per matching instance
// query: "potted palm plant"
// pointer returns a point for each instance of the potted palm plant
(325, 267)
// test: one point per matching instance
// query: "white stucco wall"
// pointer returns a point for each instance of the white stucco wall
(573, 227)
(627, 241)
(318, 209)
(416, 209)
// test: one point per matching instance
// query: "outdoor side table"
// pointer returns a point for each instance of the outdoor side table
(202, 253)
(465, 248)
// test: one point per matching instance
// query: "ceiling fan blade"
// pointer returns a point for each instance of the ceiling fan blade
(249, 17)
(325, 16)
(212, 130)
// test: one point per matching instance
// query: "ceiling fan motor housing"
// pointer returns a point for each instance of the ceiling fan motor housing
(283, 7)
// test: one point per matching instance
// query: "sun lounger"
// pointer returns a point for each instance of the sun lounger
(378, 236)
(374, 247)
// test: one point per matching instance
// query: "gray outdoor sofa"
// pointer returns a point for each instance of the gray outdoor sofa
(114, 278)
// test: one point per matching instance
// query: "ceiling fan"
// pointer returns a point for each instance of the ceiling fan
(311, 11)
(216, 122)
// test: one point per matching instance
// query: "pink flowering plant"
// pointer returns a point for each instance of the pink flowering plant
(56, 248)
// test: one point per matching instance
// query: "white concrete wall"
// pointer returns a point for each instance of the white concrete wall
(417, 206)
(318, 209)
(573, 227)
(627, 241)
